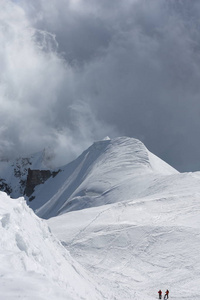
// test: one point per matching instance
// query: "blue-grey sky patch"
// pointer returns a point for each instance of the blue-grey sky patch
(74, 71)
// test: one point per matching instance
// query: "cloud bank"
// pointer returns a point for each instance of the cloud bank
(74, 71)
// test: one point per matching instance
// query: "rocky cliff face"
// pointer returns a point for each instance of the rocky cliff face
(27, 182)
(36, 177)
(4, 187)
(20, 176)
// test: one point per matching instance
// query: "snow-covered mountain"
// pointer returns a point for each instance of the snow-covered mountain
(130, 220)
(34, 264)
(93, 179)
(141, 230)
(101, 175)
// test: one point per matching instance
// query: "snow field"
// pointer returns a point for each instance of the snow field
(136, 248)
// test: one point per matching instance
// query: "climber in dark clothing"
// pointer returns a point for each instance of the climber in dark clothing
(160, 294)
(166, 294)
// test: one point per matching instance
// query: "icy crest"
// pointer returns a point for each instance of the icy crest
(94, 178)
(33, 262)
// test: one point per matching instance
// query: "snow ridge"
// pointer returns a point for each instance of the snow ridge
(96, 172)
(34, 265)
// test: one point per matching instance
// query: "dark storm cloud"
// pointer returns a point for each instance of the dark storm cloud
(76, 70)
(39, 102)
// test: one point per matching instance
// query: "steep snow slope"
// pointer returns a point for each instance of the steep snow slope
(139, 246)
(34, 265)
(97, 175)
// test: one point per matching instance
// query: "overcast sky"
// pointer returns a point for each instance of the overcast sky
(75, 71)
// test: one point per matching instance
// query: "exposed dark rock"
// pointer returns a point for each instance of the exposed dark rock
(31, 198)
(36, 177)
(4, 187)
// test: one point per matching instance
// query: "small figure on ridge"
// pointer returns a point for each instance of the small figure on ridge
(166, 294)
(160, 294)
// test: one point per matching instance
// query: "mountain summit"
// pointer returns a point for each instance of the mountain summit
(95, 177)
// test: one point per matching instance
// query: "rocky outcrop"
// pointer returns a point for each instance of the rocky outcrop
(4, 187)
(20, 176)
(36, 177)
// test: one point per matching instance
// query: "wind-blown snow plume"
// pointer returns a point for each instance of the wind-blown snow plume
(77, 70)
(37, 99)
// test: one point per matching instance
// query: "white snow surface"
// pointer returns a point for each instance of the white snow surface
(33, 263)
(109, 171)
(129, 220)
(141, 232)
(138, 246)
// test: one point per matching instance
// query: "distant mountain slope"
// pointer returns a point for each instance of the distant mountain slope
(34, 265)
(98, 176)
(95, 176)
(13, 174)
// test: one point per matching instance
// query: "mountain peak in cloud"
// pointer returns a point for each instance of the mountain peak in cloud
(96, 174)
